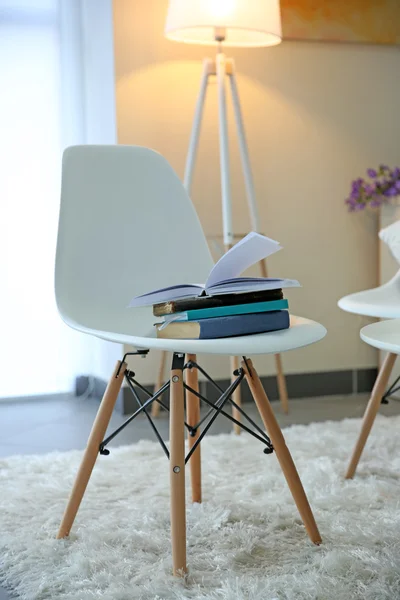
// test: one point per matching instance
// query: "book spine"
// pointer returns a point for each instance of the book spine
(238, 309)
(174, 306)
(244, 325)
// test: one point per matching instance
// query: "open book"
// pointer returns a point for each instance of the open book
(224, 276)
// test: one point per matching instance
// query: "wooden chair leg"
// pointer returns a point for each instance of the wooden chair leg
(155, 407)
(193, 417)
(280, 377)
(177, 473)
(282, 452)
(236, 396)
(371, 412)
(92, 450)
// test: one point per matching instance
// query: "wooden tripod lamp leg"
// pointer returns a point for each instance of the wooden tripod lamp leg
(282, 452)
(155, 407)
(371, 412)
(177, 472)
(236, 396)
(92, 450)
(280, 377)
(193, 417)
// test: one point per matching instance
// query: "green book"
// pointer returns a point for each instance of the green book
(226, 311)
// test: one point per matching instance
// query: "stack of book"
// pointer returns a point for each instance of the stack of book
(227, 315)
(226, 305)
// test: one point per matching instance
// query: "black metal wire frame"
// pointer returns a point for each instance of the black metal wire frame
(216, 408)
(104, 443)
(238, 408)
(392, 390)
(140, 403)
(263, 438)
(155, 397)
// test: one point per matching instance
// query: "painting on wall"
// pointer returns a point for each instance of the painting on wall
(362, 21)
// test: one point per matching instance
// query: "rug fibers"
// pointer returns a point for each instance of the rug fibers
(246, 542)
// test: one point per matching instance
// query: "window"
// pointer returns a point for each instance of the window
(38, 353)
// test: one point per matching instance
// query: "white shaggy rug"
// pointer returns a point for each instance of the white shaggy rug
(246, 542)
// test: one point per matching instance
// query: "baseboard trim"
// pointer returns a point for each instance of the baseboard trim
(299, 385)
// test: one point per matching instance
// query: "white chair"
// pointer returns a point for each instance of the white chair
(126, 227)
(385, 336)
(382, 302)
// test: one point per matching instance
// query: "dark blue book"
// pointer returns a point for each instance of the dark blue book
(220, 327)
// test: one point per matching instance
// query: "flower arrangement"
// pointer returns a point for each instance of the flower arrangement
(381, 186)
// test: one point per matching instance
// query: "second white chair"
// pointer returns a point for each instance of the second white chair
(382, 302)
(385, 336)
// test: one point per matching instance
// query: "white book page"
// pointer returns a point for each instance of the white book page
(251, 285)
(250, 250)
(175, 292)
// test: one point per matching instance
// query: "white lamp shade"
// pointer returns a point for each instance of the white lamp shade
(244, 22)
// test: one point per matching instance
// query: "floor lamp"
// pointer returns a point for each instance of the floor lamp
(240, 23)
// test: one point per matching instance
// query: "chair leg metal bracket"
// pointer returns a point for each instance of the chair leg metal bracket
(142, 353)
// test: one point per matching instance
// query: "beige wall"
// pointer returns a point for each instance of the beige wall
(317, 115)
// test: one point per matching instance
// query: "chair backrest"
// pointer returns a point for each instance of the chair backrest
(126, 227)
(390, 235)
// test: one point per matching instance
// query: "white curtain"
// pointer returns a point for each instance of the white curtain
(38, 353)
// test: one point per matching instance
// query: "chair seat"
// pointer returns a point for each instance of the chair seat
(382, 302)
(384, 335)
(302, 332)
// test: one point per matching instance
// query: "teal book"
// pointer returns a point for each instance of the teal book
(227, 311)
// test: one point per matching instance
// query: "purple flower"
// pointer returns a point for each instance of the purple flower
(369, 189)
(384, 186)
(392, 191)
